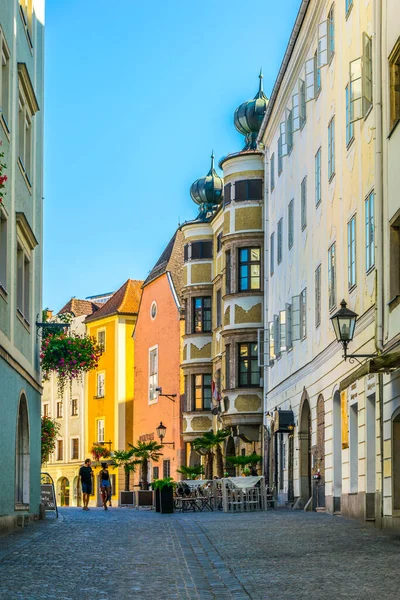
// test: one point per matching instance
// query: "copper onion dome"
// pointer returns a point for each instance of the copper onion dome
(207, 191)
(249, 115)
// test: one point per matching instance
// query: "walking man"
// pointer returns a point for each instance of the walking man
(86, 478)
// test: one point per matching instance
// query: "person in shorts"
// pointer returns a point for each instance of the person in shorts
(105, 485)
(86, 479)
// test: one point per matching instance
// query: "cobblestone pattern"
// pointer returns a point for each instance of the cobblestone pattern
(124, 553)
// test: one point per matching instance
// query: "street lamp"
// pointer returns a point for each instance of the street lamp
(161, 431)
(344, 324)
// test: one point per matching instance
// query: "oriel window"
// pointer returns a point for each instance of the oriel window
(202, 314)
(249, 371)
(249, 269)
(202, 392)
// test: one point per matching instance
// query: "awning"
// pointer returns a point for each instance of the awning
(385, 363)
(283, 421)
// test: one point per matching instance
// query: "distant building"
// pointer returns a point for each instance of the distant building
(158, 353)
(100, 298)
(69, 412)
(21, 134)
(109, 389)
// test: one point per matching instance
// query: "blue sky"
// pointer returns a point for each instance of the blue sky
(137, 94)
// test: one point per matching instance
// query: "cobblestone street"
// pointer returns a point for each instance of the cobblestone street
(125, 554)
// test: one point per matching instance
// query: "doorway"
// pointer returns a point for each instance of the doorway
(64, 492)
(320, 457)
(22, 467)
(337, 452)
(305, 451)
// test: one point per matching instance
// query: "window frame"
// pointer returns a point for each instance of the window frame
(101, 428)
(272, 254)
(317, 168)
(100, 374)
(252, 357)
(199, 324)
(60, 445)
(228, 272)
(203, 387)
(73, 456)
(332, 300)
(60, 409)
(349, 123)
(303, 201)
(291, 224)
(249, 263)
(218, 307)
(101, 333)
(272, 167)
(279, 241)
(352, 252)
(246, 184)
(153, 374)
(331, 149)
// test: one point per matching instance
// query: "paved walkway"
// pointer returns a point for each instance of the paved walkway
(124, 554)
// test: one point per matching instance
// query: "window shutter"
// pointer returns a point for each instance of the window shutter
(295, 318)
(366, 71)
(272, 355)
(262, 347)
(254, 189)
(303, 314)
(227, 193)
(288, 328)
(296, 111)
(186, 252)
(282, 330)
(302, 102)
(240, 190)
(355, 90)
(206, 249)
(322, 44)
(289, 130)
(284, 145)
(277, 338)
(310, 79)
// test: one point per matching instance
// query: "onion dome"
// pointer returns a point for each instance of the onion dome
(207, 191)
(249, 115)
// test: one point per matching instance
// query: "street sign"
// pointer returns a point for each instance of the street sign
(48, 495)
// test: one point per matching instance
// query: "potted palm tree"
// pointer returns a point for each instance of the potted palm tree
(191, 472)
(144, 452)
(164, 495)
(205, 445)
(124, 459)
(242, 462)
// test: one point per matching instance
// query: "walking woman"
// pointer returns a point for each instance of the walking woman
(105, 484)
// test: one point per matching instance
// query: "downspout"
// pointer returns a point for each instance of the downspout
(266, 283)
(380, 292)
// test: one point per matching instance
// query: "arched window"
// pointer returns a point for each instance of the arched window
(22, 466)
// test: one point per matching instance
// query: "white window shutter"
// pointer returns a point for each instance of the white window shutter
(310, 79)
(272, 355)
(322, 44)
(282, 330)
(277, 337)
(289, 130)
(288, 326)
(302, 102)
(295, 318)
(260, 347)
(284, 146)
(356, 108)
(366, 71)
(296, 112)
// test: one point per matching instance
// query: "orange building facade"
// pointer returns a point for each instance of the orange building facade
(158, 346)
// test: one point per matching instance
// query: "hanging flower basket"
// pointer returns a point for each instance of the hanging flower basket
(68, 356)
(50, 431)
(99, 452)
(3, 178)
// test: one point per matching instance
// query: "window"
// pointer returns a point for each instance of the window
(332, 276)
(290, 223)
(318, 177)
(272, 253)
(351, 252)
(331, 32)
(286, 131)
(60, 450)
(74, 407)
(318, 296)
(394, 74)
(228, 366)
(201, 315)
(369, 232)
(303, 314)
(202, 392)
(5, 81)
(349, 4)
(25, 137)
(60, 410)
(156, 471)
(272, 172)
(74, 448)
(219, 308)
(25, 7)
(395, 258)
(249, 269)
(349, 123)
(299, 106)
(101, 340)
(227, 193)
(3, 251)
(271, 333)
(277, 337)
(280, 158)
(219, 242)
(101, 385)
(249, 372)
(201, 250)
(166, 468)
(186, 252)
(303, 194)
(23, 282)
(361, 81)
(45, 410)
(289, 341)
(280, 233)
(282, 331)
(100, 431)
(248, 189)
(331, 148)
(311, 65)
(228, 272)
(153, 374)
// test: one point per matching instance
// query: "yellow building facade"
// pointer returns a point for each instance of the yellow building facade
(109, 389)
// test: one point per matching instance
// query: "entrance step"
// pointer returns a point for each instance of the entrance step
(321, 509)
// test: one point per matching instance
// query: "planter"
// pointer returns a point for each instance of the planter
(166, 495)
(157, 500)
(144, 498)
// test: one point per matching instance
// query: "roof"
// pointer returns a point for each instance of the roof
(171, 261)
(79, 307)
(125, 301)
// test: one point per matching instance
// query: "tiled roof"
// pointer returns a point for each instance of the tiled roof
(79, 307)
(161, 265)
(171, 260)
(125, 300)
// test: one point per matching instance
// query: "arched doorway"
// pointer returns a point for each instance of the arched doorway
(77, 492)
(305, 449)
(230, 451)
(320, 456)
(22, 466)
(396, 460)
(64, 492)
(337, 451)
